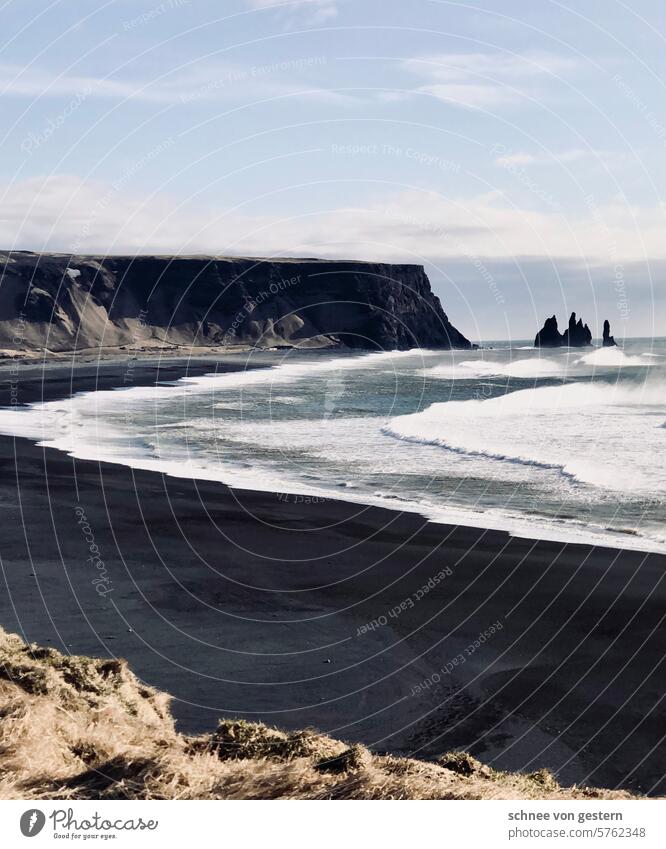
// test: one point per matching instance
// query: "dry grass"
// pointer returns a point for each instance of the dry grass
(79, 728)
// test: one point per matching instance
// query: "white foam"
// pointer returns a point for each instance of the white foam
(288, 400)
(567, 364)
(605, 436)
(261, 479)
(532, 367)
(611, 357)
(293, 371)
(237, 404)
(597, 433)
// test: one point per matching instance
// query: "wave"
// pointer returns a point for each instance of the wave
(599, 434)
(611, 357)
(579, 443)
(238, 404)
(540, 366)
(287, 400)
(251, 476)
(470, 369)
(288, 372)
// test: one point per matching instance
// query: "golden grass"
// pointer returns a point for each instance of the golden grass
(81, 728)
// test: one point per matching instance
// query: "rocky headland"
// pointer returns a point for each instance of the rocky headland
(60, 302)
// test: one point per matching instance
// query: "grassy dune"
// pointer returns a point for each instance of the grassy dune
(82, 728)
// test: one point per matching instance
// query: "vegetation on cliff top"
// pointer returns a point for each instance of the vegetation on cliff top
(81, 728)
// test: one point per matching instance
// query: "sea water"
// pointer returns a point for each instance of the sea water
(563, 444)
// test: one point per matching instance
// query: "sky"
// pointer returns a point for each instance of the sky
(516, 150)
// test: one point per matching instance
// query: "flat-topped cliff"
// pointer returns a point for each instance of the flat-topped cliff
(62, 302)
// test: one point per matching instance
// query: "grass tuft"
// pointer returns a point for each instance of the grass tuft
(80, 728)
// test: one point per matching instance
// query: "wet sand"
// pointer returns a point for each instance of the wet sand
(372, 625)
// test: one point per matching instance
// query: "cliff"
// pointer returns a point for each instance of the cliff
(577, 335)
(83, 728)
(62, 303)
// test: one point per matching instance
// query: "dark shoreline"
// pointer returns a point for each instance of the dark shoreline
(272, 607)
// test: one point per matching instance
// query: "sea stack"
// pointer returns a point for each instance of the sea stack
(549, 336)
(609, 341)
(577, 334)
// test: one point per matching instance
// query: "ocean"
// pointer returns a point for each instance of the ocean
(563, 444)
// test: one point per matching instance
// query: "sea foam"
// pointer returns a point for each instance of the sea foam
(527, 368)
(601, 434)
(612, 357)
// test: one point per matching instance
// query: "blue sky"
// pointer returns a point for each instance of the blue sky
(516, 149)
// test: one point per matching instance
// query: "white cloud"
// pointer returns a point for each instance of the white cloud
(563, 157)
(315, 11)
(497, 66)
(487, 80)
(67, 214)
(187, 85)
(605, 160)
(34, 82)
(470, 95)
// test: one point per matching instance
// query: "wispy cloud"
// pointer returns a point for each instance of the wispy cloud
(210, 83)
(19, 81)
(313, 11)
(486, 80)
(563, 157)
(590, 157)
(499, 65)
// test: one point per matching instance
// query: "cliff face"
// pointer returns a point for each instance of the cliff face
(63, 302)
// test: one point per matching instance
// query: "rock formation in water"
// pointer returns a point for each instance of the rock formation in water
(549, 336)
(61, 302)
(608, 340)
(577, 334)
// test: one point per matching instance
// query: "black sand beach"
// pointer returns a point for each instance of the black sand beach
(413, 637)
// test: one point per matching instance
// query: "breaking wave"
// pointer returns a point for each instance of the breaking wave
(614, 357)
(601, 434)
(470, 369)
